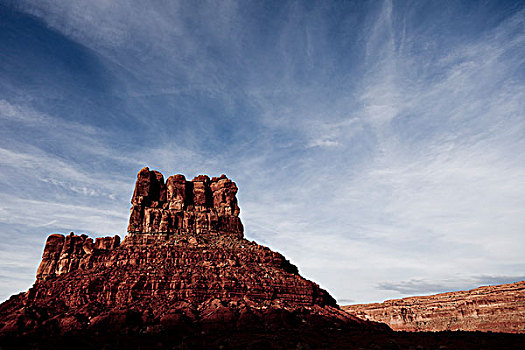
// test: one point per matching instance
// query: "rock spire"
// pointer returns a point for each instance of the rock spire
(202, 205)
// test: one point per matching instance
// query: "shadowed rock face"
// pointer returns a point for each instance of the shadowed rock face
(183, 263)
(492, 308)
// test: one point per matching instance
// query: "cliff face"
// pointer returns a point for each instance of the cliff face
(72, 252)
(202, 205)
(183, 263)
(492, 308)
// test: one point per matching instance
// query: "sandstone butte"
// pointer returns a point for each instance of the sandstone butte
(498, 308)
(183, 265)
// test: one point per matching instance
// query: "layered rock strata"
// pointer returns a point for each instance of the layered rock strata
(498, 308)
(184, 263)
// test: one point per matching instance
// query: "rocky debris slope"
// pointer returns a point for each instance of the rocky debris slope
(184, 265)
(498, 308)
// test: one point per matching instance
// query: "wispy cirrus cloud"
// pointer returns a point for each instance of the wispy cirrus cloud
(67, 216)
(439, 185)
(371, 141)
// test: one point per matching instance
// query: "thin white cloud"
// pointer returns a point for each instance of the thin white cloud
(400, 161)
(40, 167)
(442, 191)
(85, 218)
(424, 287)
(21, 114)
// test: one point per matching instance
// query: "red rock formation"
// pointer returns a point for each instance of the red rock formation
(179, 206)
(492, 308)
(63, 255)
(183, 263)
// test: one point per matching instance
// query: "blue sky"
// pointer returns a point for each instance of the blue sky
(379, 145)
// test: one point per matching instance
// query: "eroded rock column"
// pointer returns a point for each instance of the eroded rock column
(202, 205)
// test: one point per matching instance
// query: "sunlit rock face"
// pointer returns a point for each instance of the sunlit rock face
(183, 263)
(202, 205)
(498, 308)
(65, 254)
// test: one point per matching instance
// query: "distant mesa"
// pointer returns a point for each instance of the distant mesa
(498, 308)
